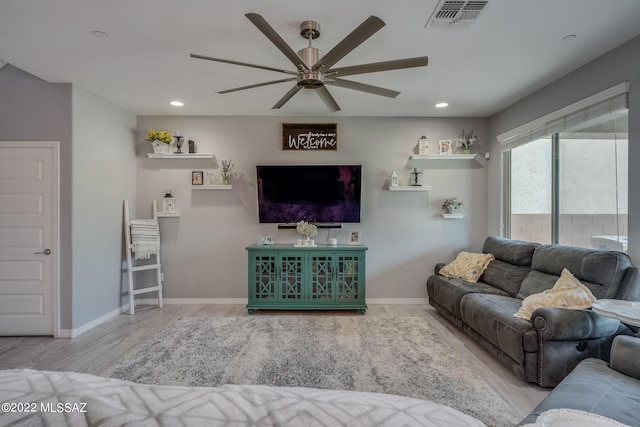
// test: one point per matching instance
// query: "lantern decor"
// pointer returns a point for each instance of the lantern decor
(423, 144)
(393, 179)
(168, 202)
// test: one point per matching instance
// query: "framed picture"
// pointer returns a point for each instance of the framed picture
(355, 236)
(445, 146)
(264, 240)
(197, 177)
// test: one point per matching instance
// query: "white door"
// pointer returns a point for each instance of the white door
(28, 237)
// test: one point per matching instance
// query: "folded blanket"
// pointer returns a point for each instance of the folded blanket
(145, 237)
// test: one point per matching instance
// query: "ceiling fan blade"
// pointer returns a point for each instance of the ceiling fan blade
(258, 85)
(244, 64)
(275, 38)
(365, 30)
(348, 84)
(287, 96)
(326, 97)
(420, 61)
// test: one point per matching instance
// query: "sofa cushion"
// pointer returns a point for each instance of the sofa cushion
(491, 316)
(514, 252)
(468, 266)
(567, 292)
(511, 264)
(505, 276)
(447, 292)
(600, 271)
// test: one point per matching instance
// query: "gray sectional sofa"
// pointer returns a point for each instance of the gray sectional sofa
(546, 348)
(595, 386)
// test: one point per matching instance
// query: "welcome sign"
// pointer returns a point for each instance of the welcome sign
(310, 136)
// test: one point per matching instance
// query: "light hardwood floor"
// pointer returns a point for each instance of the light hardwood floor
(96, 350)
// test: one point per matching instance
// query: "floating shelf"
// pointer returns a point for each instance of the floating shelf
(409, 188)
(168, 214)
(452, 216)
(443, 157)
(180, 156)
(212, 187)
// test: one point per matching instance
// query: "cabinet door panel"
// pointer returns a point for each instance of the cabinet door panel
(321, 280)
(348, 279)
(265, 281)
(291, 278)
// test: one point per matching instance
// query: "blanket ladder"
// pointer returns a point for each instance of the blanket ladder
(133, 269)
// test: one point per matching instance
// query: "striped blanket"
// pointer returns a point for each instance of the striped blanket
(145, 237)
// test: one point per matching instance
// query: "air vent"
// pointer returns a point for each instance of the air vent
(456, 13)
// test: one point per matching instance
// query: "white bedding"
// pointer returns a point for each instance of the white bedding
(35, 398)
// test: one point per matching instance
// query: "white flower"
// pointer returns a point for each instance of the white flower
(306, 229)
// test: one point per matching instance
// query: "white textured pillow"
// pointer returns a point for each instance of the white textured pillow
(567, 292)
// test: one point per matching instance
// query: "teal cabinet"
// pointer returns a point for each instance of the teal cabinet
(284, 277)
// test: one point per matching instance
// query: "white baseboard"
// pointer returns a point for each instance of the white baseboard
(243, 301)
(72, 333)
(397, 301)
(192, 301)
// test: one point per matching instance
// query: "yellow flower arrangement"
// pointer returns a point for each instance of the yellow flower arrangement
(160, 135)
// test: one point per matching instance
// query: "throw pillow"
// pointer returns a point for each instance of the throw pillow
(468, 266)
(567, 292)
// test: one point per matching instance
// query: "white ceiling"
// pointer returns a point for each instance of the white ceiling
(513, 49)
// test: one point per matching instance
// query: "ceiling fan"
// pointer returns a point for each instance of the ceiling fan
(314, 70)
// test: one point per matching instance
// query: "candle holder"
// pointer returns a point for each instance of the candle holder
(179, 142)
(414, 177)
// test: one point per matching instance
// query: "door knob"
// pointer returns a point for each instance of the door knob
(45, 252)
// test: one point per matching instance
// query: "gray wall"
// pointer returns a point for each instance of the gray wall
(104, 173)
(204, 253)
(93, 182)
(34, 110)
(621, 64)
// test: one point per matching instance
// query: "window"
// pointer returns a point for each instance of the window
(566, 175)
(571, 187)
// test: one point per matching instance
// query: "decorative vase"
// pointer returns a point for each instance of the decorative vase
(160, 147)
(453, 209)
(224, 179)
(466, 151)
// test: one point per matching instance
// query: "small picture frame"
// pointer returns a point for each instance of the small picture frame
(355, 236)
(197, 178)
(445, 147)
(264, 240)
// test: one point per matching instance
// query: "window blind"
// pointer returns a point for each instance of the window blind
(609, 101)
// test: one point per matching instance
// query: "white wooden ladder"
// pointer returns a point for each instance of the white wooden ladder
(132, 269)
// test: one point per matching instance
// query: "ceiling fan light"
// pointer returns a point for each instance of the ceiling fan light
(310, 80)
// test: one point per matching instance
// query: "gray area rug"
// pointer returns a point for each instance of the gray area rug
(395, 355)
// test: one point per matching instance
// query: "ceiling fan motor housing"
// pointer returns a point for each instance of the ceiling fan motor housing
(313, 79)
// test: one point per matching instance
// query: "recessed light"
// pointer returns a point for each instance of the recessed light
(569, 37)
(100, 34)
(442, 104)
(177, 103)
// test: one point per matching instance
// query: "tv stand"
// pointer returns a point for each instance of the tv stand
(324, 277)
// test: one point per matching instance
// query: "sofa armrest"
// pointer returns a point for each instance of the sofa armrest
(438, 267)
(624, 355)
(562, 324)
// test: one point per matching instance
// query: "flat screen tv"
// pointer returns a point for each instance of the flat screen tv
(314, 193)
